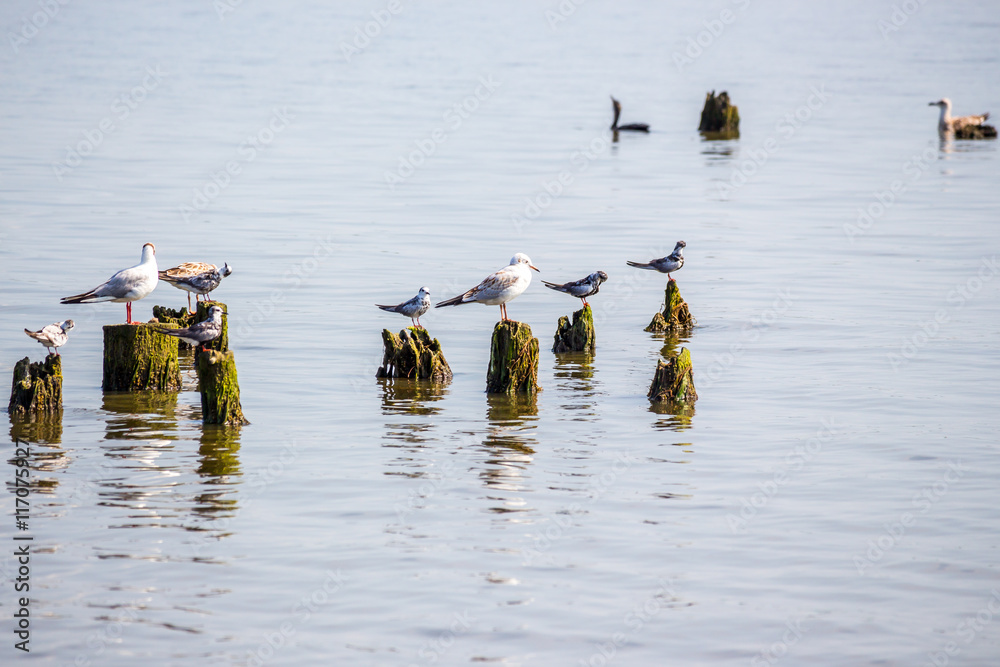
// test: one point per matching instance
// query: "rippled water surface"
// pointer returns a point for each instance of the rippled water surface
(830, 499)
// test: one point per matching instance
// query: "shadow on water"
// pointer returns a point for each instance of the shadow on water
(139, 415)
(41, 428)
(42, 433)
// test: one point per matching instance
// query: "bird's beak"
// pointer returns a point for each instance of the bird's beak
(932, 104)
(533, 267)
(225, 312)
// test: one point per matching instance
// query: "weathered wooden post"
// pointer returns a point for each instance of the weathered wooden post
(36, 387)
(674, 380)
(138, 358)
(513, 360)
(179, 317)
(578, 336)
(219, 387)
(719, 118)
(675, 315)
(413, 354)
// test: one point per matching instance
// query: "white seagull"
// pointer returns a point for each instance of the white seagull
(202, 332)
(196, 278)
(53, 336)
(499, 288)
(127, 285)
(413, 308)
(582, 288)
(948, 124)
(672, 262)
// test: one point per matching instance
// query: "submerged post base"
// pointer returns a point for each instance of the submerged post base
(36, 387)
(513, 360)
(675, 315)
(413, 354)
(674, 380)
(219, 387)
(578, 336)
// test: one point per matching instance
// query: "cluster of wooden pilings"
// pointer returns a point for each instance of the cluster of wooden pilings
(513, 366)
(137, 358)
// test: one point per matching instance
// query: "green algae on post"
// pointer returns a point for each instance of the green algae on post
(674, 380)
(675, 316)
(219, 387)
(138, 358)
(179, 317)
(513, 360)
(413, 354)
(36, 387)
(578, 336)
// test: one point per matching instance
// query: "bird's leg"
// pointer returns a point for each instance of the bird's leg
(128, 312)
(189, 302)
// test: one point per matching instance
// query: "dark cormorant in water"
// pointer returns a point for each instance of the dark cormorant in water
(631, 127)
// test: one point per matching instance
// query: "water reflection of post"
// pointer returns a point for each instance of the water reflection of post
(37, 427)
(678, 415)
(137, 415)
(574, 372)
(509, 450)
(411, 398)
(219, 452)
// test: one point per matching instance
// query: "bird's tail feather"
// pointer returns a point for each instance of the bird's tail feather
(454, 301)
(551, 285)
(639, 265)
(391, 309)
(78, 298)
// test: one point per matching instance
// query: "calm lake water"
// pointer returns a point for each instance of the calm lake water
(830, 500)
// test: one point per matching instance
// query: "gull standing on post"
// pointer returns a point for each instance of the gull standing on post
(53, 336)
(202, 332)
(126, 286)
(497, 289)
(582, 288)
(413, 308)
(672, 262)
(196, 278)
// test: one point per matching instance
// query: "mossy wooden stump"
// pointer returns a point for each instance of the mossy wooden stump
(138, 358)
(675, 315)
(36, 387)
(578, 336)
(179, 317)
(719, 118)
(413, 354)
(674, 380)
(513, 360)
(219, 387)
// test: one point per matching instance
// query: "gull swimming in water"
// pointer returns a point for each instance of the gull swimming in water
(966, 124)
(413, 308)
(631, 127)
(202, 332)
(128, 285)
(498, 288)
(196, 278)
(672, 262)
(53, 336)
(582, 288)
